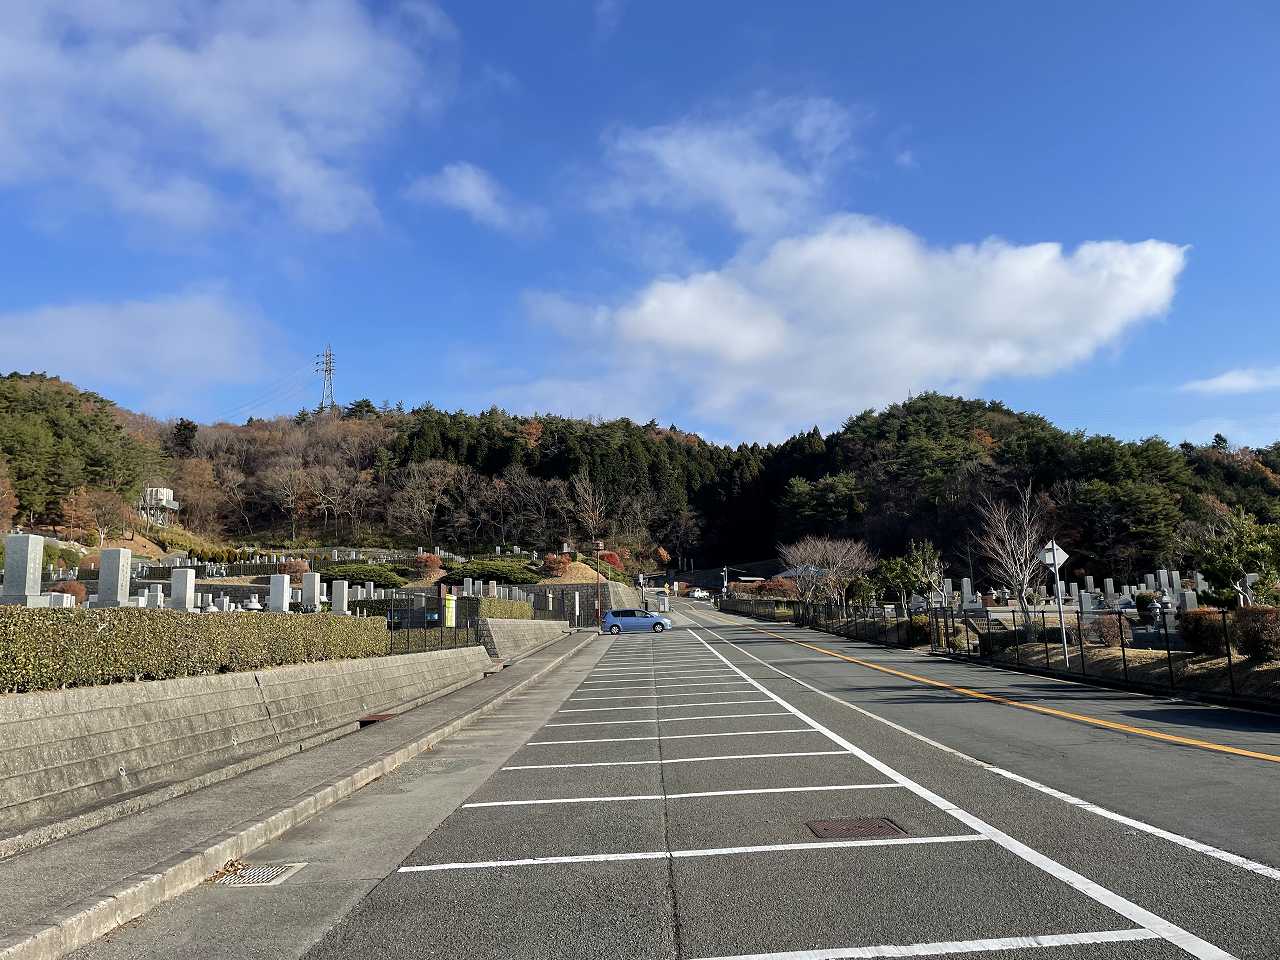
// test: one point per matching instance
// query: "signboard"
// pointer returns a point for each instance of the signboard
(1053, 556)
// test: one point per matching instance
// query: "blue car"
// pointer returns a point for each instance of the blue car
(615, 621)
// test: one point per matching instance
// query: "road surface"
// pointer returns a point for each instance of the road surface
(655, 799)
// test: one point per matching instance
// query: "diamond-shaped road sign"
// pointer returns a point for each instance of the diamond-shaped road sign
(1053, 556)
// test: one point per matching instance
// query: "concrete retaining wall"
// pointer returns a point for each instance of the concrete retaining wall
(66, 751)
(508, 639)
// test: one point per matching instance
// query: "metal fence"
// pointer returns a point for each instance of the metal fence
(1161, 653)
(414, 623)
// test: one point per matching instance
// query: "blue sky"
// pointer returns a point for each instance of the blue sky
(741, 218)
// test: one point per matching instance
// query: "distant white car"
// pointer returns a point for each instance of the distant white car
(697, 593)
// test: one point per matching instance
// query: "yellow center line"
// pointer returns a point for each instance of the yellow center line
(1048, 711)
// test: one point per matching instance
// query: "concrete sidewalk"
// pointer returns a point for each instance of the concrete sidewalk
(65, 894)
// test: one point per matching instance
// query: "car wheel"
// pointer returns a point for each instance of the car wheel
(615, 629)
(658, 628)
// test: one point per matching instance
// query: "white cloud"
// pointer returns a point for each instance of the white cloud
(466, 187)
(763, 171)
(1240, 380)
(164, 350)
(165, 106)
(857, 312)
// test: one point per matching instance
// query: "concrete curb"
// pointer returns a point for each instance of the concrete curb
(83, 922)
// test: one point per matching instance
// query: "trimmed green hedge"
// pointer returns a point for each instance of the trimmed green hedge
(505, 609)
(503, 571)
(43, 649)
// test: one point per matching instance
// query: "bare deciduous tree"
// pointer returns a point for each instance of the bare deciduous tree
(592, 508)
(824, 567)
(1010, 538)
(423, 489)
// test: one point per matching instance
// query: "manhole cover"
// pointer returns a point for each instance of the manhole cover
(856, 828)
(257, 875)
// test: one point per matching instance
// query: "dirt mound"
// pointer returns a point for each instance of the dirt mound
(576, 572)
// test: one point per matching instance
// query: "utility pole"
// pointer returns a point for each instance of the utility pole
(324, 367)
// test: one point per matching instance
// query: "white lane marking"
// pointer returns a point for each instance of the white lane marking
(643, 665)
(661, 706)
(686, 796)
(651, 685)
(704, 675)
(709, 716)
(1094, 891)
(940, 949)
(1210, 851)
(645, 763)
(671, 736)
(686, 854)
(655, 696)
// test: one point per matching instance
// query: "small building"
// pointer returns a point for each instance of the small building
(158, 506)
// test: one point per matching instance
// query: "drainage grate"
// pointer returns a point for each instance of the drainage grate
(258, 875)
(374, 718)
(856, 828)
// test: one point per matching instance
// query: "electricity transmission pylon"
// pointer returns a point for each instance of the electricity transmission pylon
(324, 367)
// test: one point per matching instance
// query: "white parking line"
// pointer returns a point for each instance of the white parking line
(706, 716)
(700, 683)
(655, 696)
(660, 706)
(685, 796)
(686, 854)
(701, 675)
(1094, 891)
(1191, 844)
(646, 763)
(672, 736)
(940, 949)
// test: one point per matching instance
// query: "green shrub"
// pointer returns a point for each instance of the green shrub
(503, 571)
(919, 631)
(1257, 631)
(381, 576)
(44, 649)
(1204, 631)
(1143, 601)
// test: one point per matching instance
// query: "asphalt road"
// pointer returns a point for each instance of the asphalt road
(654, 799)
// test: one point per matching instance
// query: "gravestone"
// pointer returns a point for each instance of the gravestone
(1086, 601)
(1166, 585)
(368, 589)
(23, 554)
(113, 577)
(966, 592)
(223, 603)
(311, 591)
(61, 601)
(1109, 587)
(493, 589)
(333, 555)
(1088, 584)
(1187, 600)
(1150, 582)
(338, 597)
(466, 586)
(182, 589)
(1176, 578)
(278, 599)
(254, 603)
(157, 595)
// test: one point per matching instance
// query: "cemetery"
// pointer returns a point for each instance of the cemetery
(155, 621)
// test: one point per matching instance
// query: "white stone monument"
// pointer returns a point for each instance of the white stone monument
(278, 600)
(311, 591)
(23, 553)
(113, 577)
(182, 589)
(338, 597)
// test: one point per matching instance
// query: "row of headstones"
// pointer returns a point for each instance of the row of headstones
(1165, 583)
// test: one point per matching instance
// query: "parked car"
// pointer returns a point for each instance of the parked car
(697, 593)
(616, 621)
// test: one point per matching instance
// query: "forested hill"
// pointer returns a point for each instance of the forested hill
(913, 470)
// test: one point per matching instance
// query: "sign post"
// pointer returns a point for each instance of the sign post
(1053, 556)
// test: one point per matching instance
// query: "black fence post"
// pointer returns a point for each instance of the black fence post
(1168, 649)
